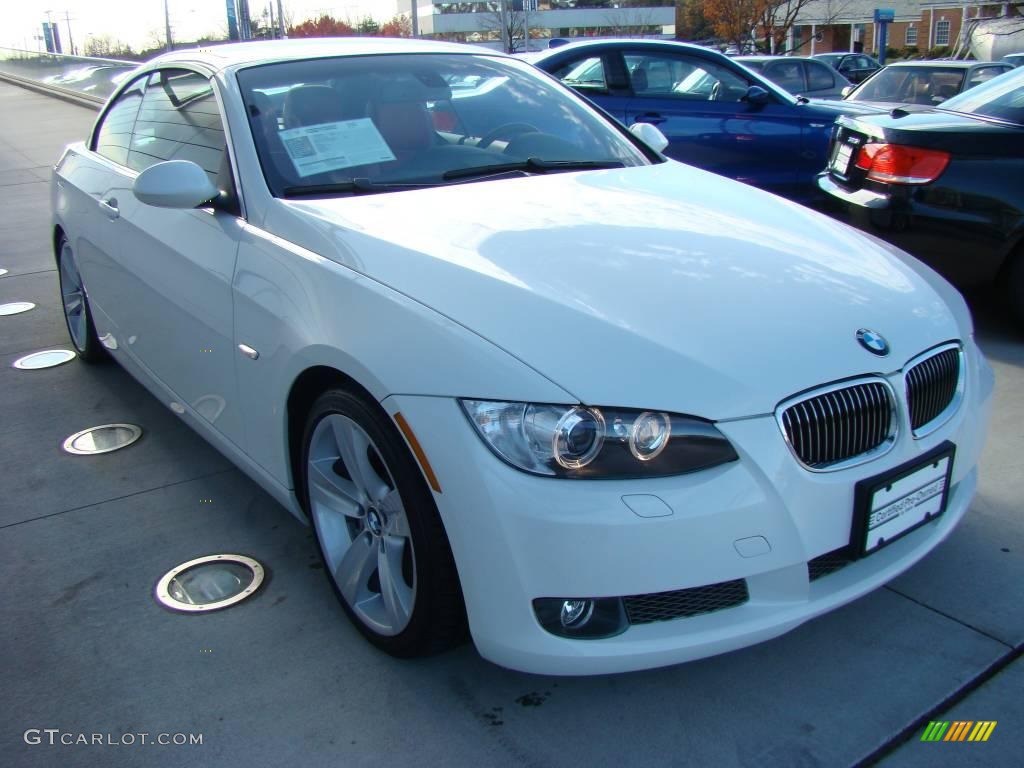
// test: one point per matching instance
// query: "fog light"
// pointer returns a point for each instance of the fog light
(576, 613)
(581, 617)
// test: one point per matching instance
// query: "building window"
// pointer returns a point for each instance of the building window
(942, 33)
(911, 35)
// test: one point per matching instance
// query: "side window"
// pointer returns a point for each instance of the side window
(819, 77)
(178, 120)
(787, 74)
(113, 135)
(584, 73)
(684, 78)
(983, 75)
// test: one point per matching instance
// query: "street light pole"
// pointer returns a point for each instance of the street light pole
(71, 40)
(280, 20)
(526, 26)
(167, 26)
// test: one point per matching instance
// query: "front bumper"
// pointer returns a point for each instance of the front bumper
(517, 537)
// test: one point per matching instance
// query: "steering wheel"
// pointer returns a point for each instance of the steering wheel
(506, 131)
(714, 90)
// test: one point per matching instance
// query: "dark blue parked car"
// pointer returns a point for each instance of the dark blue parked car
(716, 114)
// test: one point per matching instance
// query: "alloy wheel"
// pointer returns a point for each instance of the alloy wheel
(73, 296)
(361, 524)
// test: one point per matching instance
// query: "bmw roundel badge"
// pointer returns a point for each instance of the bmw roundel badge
(873, 342)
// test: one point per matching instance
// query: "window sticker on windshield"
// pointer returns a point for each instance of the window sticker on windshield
(326, 147)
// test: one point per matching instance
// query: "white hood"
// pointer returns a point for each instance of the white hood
(659, 287)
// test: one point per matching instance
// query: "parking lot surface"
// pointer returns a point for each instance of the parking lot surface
(284, 679)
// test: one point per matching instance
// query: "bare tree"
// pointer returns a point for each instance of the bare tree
(738, 21)
(981, 29)
(509, 24)
(105, 46)
(777, 18)
(155, 38)
(821, 13)
(630, 20)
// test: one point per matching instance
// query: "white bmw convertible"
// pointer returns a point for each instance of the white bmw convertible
(524, 376)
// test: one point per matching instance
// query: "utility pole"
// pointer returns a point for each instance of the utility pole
(415, 18)
(526, 26)
(280, 20)
(244, 21)
(167, 26)
(71, 40)
(273, 26)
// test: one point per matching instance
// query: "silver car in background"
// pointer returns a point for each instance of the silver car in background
(800, 75)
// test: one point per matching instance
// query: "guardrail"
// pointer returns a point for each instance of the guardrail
(84, 79)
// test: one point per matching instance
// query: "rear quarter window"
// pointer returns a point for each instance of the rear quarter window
(819, 77)
(178, 120)
(113, 135)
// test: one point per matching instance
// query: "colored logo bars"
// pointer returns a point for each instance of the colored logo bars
(958, 730)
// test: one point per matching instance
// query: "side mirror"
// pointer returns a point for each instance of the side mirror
(847, 90)
(650, 135)
(174, 184)
(757, 95)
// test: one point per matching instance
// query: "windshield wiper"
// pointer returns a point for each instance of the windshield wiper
(357, 186)
(531, 165)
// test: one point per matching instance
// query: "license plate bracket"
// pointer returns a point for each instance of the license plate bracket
(841, 159)
(889, 506)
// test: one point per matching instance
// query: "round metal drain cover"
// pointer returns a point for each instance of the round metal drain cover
(16, 307)
(209, 583)
(48, 358)
(102, 439)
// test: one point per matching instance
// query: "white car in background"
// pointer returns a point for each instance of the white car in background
(521, 373)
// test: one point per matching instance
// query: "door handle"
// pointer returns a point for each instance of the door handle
(650, 117)
(109, 207)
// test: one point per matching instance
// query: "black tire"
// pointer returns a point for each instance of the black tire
(89, 348)
(1011, 286)
(438, 618)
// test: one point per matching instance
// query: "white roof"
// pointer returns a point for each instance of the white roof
(219, 57)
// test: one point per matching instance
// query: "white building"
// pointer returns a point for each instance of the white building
(479, 21)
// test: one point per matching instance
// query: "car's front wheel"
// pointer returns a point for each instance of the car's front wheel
(77, 313)
(381, 538)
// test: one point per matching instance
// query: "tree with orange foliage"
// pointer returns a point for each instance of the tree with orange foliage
(397, 26)
(734, 20)
(328, 26)
(324, 26)
(742, 21)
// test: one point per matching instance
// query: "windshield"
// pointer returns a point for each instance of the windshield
(375, 123)
(911, 85)
(1001, 98)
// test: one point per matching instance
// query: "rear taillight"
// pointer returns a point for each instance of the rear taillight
(896, 164)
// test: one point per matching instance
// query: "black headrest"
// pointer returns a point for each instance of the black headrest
(312, 105)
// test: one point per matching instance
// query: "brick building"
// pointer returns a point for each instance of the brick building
(824, 26)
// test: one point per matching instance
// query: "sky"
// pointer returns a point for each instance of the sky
(139, 23)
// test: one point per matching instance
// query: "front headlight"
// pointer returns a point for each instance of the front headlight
(585, 442)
